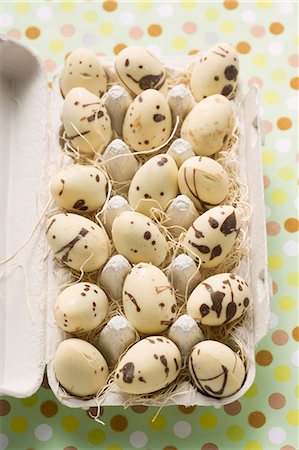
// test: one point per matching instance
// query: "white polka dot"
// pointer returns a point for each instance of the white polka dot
(273, 320)
(127, 18)
(44, 13)
(3, 441)
(268, 212)
(295, 358)
(292, 102)
(283, 145)
(275, 48)
(43, 432)
(182, 429)
(7, 20)
(155, 50)
(286, 8)
(248, 16)
(138, 439)
(277, 435)
(165, 10)
(291, 248)
(296, 203)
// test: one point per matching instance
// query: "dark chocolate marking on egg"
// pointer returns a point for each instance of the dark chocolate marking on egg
(165, 364)
(62, 189)
(216, 78)
(231, 73)
(240, 287)
(227, 90)
(127, 62)
(201, 248)
(198, 234)
(156, 356)
(147, 196)
(204, 310)
(216, 297)
(158, 117)
(133, 300)
(160, 339)
(160, 289)
(173, 308)
(162, 161)
(150, 340)
(205, 389)
(162, 305)
(225, 138)
(166, 322)
(50, 224)
(219, 54)
(153, 242)
(147, 235)
(80, 205)
(140, 99)
(146, 142)
(246, 302)
(82, 233)
(128, 372)
(229, 224)
(176, 364)
(98, 114)
(149, 81)
(77, 135)
(89, 104)
(216, 252)
(213, 222)
(97, 178)
(142, 380)
(231, 307)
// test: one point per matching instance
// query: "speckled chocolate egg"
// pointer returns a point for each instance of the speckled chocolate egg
(219, 299)
(216, 369)
(83, 69)
(154, 185)
(212, 236)
(79, 188)
(149, 365)
(77, 242)
(208, 126)
(80, 368)
(139, 70)
(138, 238)
(86, 122)
(216, 72)
(148, 299)
(80, 307)
(204, 181)
(147, 123)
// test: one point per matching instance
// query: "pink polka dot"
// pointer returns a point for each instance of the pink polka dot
(135, 33)
(67, 30)
(274, 287)
(15, 34)
(190, 27)
(50, 65)
(267, 125)
(266, 181)
(297, 157)
(273, 228)
(100, 54)
(258, 31)
(294, 60)
(255, 80)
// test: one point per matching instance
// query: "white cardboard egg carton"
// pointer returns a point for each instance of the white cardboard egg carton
(30, 153)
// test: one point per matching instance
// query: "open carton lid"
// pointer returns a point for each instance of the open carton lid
(28, 332)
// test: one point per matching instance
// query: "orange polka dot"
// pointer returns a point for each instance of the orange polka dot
(294, 83)
(287, 447)
(230, 4)
(276, 28)
(264, 358)
(48, 408)
(187, 409)
(139, 409)
(243, 47)
(154, 30)
(109, 5)
(193, 52)
(209, 446)
(32, 32)
(118, 48)
(284, 123)
(295, 334)
(256, 419)
(170, 447)
(118, 423)
(291, 225)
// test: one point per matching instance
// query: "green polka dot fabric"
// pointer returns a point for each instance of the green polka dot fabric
(264, 34)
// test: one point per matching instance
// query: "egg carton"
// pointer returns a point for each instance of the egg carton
(30, 154)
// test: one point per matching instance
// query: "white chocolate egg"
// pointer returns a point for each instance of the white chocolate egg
(86, 122)
(78, 242)
(80, 368)
(147, 123)
(80, 307)
(204, 181)
(185, 333)
(216, 72)
(216, 369)
(212, 236)
(148, 299)
(113, 274)
(138, 238)
(219, 299)
(83, 69)
(154, 185)
(79, 188)
(139, 70)
(148, 366)
(208, 126)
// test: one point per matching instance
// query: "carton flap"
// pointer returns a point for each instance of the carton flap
(23, 119)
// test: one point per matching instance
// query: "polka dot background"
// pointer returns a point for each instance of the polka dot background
(264, 33)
